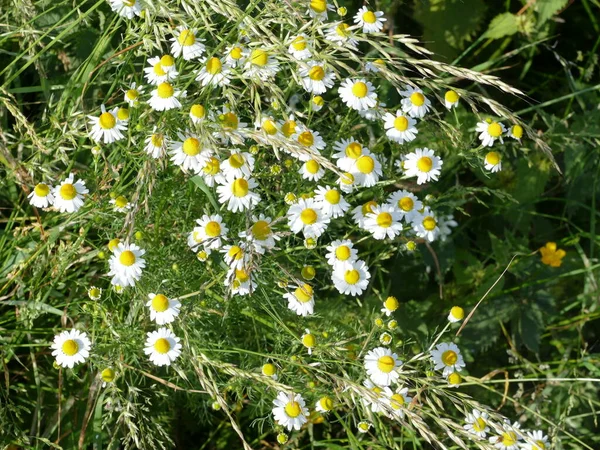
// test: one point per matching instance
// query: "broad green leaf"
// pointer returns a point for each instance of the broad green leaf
(502, 25)
(548, 8)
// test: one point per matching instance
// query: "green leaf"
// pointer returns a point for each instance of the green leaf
(198, 181)
(548, 8)
(530, 328)
(502, 25)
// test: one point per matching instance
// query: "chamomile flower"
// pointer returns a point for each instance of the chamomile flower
(232, 129)
(493, 162)
(359, 214)
(364, 426)
(451, 99)
(126, 8)
(239, 164)
(317, 103)
(210, 232)
(331, 201)
(123, 115)
(397, 401)
(241, 281)
(312, 170)
(261, 234)
(516, 132)
(425, 225)
(324, 404)
(187, 44)
(261, 64)
(236, 256)
(318, 9)
(447, 356)
(165, 97)
(108, 375)
(374, 66)
(383, 221)
(316, 77)
(309, 140)
(341, 252)
(300, 47)
(126, 264)
(290, 411)
(68, 195)
(366, 169)
(161, 69)
(214, 73)
(309, 341)
(70, 348)
(132, 95)
(400, 128)
(269, 370)
(406, 203)
(288, 127)
(508, 436)
(347, 151)
(376, 399)
(197, 113)
(477, 423)
(268, 125)
(307, 217)
(341, 34)
(107, 127)
(414, 103)
(238, 193)
(211, 171)
(423, 164)
(189, 152)
(236, 55)
(535, 440)
(94, 293)
(41, 196)
(346, 182)
(390, 305)
(156, 144)
(301, 300)
(371, 22)
(382, 366)
(456, 314)
(352, 278)
(490, 131)
(162, 347)
(358, 94)
(163, 310)
(121, 204)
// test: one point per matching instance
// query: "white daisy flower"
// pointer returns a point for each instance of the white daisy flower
(425, 225)
(423, 164)
(366, 169)
(493, 162)
(371, 22)
(41, 196)
(126, 8)
(269, 370)
(309, 341)
(290, 411)
(70, 348)
(187, 44)
(236, 256)
(107, 127)
(236, 55)
(197, 113)
(456, 314)
(241, 281)
(121, 204)
(447, 356)
(397, 401)
(301, 300)
(261, 234)
(536, 440)
(451, 99)
(68, 195)
(316, 77)
(211, 171)
(210, 232)
(477, 423)
(352, 278)
(161, 70)
(312, 170)
(376, 399)
(340, 253)
(162, 347)
(238, 193)
(390, 305)
(300, 48)
(331, 201)
(214, 73)
(307, 217)
(347, 152)
(516, 132)
(508, 436)
(163, 310)
(317, 103)
(156, 144)
(126, 264)
(94, 293)
(382, 366)
(383, 221)
(317, 9)
(123, 115)
(346, 182)
(358, 94)
(364, 426)
(324, 404)
(359, 214)
(132, 95)
(341, 34)
(261, 64)
(239, 164)
(406, 203)
(309, 140)
(165, 97)
(445, 224)
(189, 152)
(268, 125)
(414, 103)
(400, 128)
(288, 127)
(489, 131)
(232, 130)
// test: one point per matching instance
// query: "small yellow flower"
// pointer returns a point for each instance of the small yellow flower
(551, 256)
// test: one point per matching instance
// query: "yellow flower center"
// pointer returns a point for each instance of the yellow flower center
(386, 364)
(121, 202)
(165, 90)
(236, 160)
(132, 94)
(212, 166)
(160, 303)
(406, 204)
(123, 114)
(342, 30)
(67, 191)
(158, 70)
(70, 347)
(108, 375)
(261, 230)
(449, 357)
(127, 258)
(304, 294)
(360, 89)
(312, 166)
(191, 146)
(347, 178)
(167, 61)
(509, 438)
(352, 276)
(197, 111)
(229, 120)
(417, 99)
(299, 43)
(397, 401)
(494, 129)
(457, 312)
(326, 403)
(365, 164)
(288, 128)
(332, 196)
(368, 207)
(112, 244)
(318, 100)
(259, 57)
(94, 292)
(369, 17)
(162, 345)
(293, 409)
(429, 223)
(239, 188)
(424, 164)
(309, 340)
(451, 96)
(214, 66)
(539, 445)
(401, 123)
(157, 140)
(236, 53)
(492, 158)
(384, 220)
(42, 190)
(306, 138)
(308, 216)
(269, 127)
(130, 3)
(343, 252)
(318, 6)
(107, 121)
(517, 131)
(235, 252)
(269, 369)
(479, 424)
(186, 38)
(308, 272)
(316, 73)
(241, 275)
(354, 150)
(212, 229)
(391, 303)
(454, 379)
